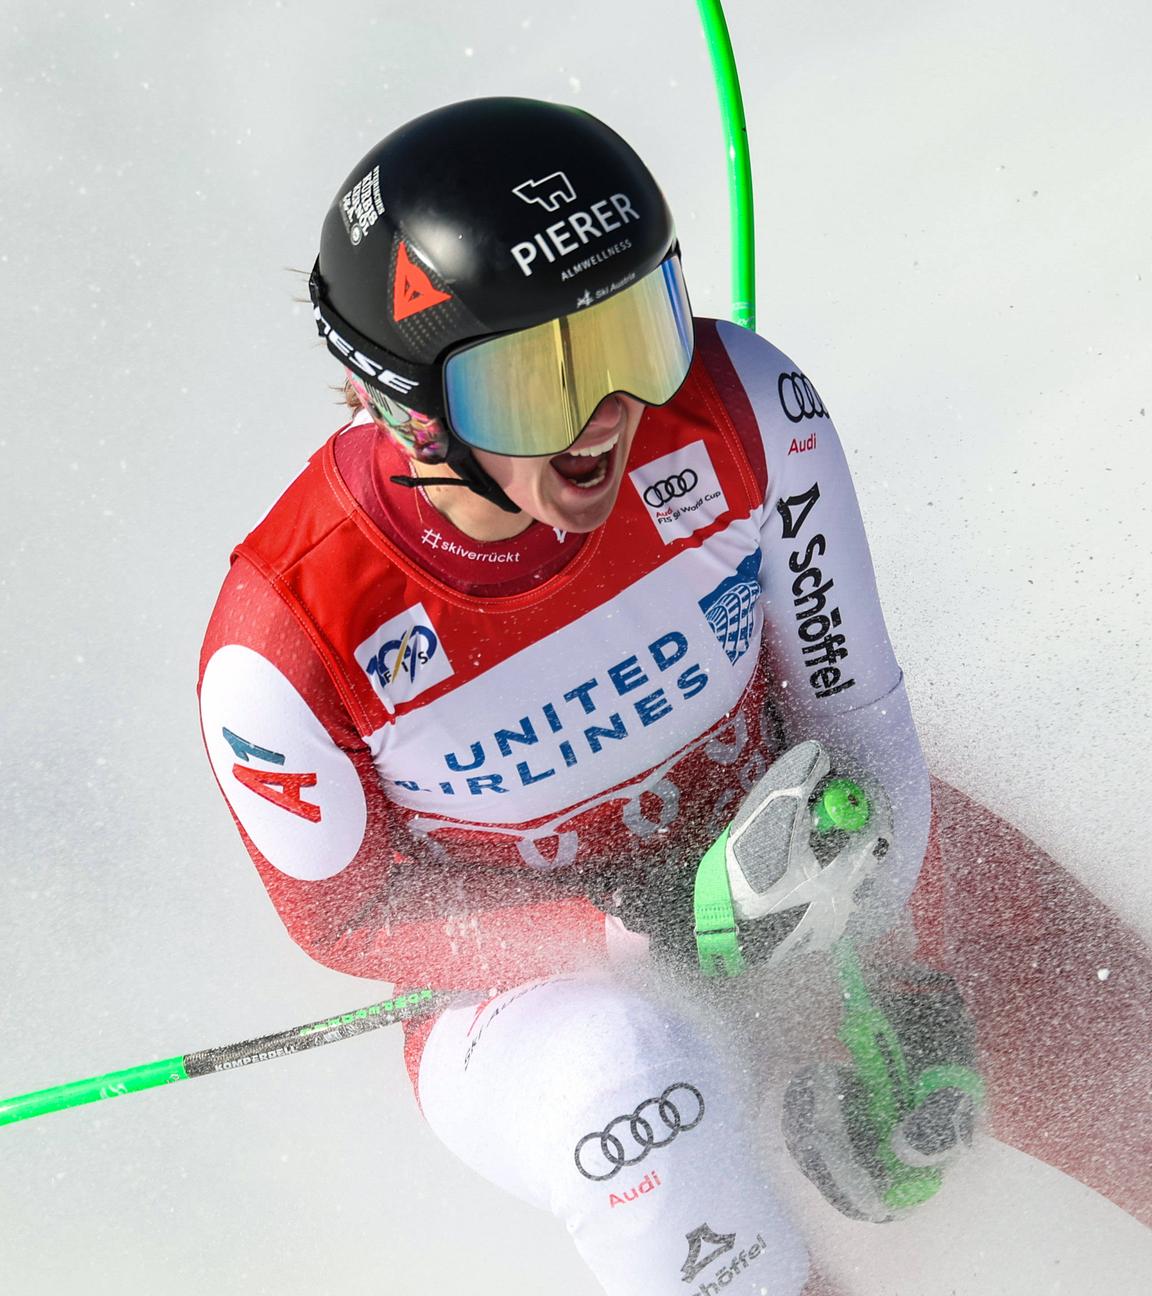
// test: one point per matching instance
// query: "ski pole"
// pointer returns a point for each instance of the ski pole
(871, 1040)
(226, 1057)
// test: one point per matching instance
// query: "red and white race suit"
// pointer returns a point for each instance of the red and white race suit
(431, 745)
(419, 770)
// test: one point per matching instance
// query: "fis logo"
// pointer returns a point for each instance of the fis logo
(549, 192)
(404, 657)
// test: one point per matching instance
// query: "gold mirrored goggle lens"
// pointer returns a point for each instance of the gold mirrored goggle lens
(531, 392)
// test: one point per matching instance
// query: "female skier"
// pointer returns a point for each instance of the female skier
(521, 640)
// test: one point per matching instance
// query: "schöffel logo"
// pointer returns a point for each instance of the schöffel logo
(549, 192)
(663, 492)
(798, 398)
(817, 625)
(654, 1124)
(705, 1247)
(730, 609)
(680, 491)
(404, 657)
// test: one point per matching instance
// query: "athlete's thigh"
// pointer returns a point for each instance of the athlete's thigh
(590, 1099)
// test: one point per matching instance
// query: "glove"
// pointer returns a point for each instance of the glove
(830, 1121)
(793, 866)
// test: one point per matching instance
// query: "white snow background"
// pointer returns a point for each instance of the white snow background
(954, 243)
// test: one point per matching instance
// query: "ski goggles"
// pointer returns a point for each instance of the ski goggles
(531, 392)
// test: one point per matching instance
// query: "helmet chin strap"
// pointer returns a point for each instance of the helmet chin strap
(469, 474)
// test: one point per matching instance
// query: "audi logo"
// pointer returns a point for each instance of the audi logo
(798, 398)
(610, 1149)
(670, 488)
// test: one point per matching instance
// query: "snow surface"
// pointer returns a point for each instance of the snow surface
(954, 244)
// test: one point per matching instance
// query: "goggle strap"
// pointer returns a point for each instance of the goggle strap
(412, 482)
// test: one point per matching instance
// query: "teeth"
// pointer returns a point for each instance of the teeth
(592, 451)
(595, 480)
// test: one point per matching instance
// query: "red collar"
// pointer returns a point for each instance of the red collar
(367, 456)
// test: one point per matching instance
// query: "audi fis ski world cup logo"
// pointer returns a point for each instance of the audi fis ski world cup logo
(626, 1140)
(798, 398)
(705, 1247)
(404, 656)
(680, 491)
(676, 487)
(549, 192)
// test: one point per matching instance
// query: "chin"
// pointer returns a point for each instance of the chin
(577, 518)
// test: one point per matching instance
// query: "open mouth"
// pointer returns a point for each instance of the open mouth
(586, 468)
(589, 466)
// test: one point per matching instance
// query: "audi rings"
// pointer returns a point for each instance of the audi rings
(663, 492)
(641, 1131)
(798, 398)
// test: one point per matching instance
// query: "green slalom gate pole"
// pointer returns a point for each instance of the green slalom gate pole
(739, 163)
(227, 1057)
(867, 1034)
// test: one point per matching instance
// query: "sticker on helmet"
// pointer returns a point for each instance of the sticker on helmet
(549, 192)
(362, 206)
(413, 291)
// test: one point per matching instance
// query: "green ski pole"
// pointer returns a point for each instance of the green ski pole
(227, 1057)
(739, 163)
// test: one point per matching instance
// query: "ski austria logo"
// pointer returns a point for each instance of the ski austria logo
(549, 192)
(362, 206)
(680, 491)
(730, 609)
(404, 657)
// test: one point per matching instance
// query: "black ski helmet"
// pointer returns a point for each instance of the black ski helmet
(478, 218)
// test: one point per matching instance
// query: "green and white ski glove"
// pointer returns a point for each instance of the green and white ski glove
(793, 866)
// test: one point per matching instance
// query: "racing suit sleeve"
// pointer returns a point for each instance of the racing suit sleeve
(829, 662)
(353, 890)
